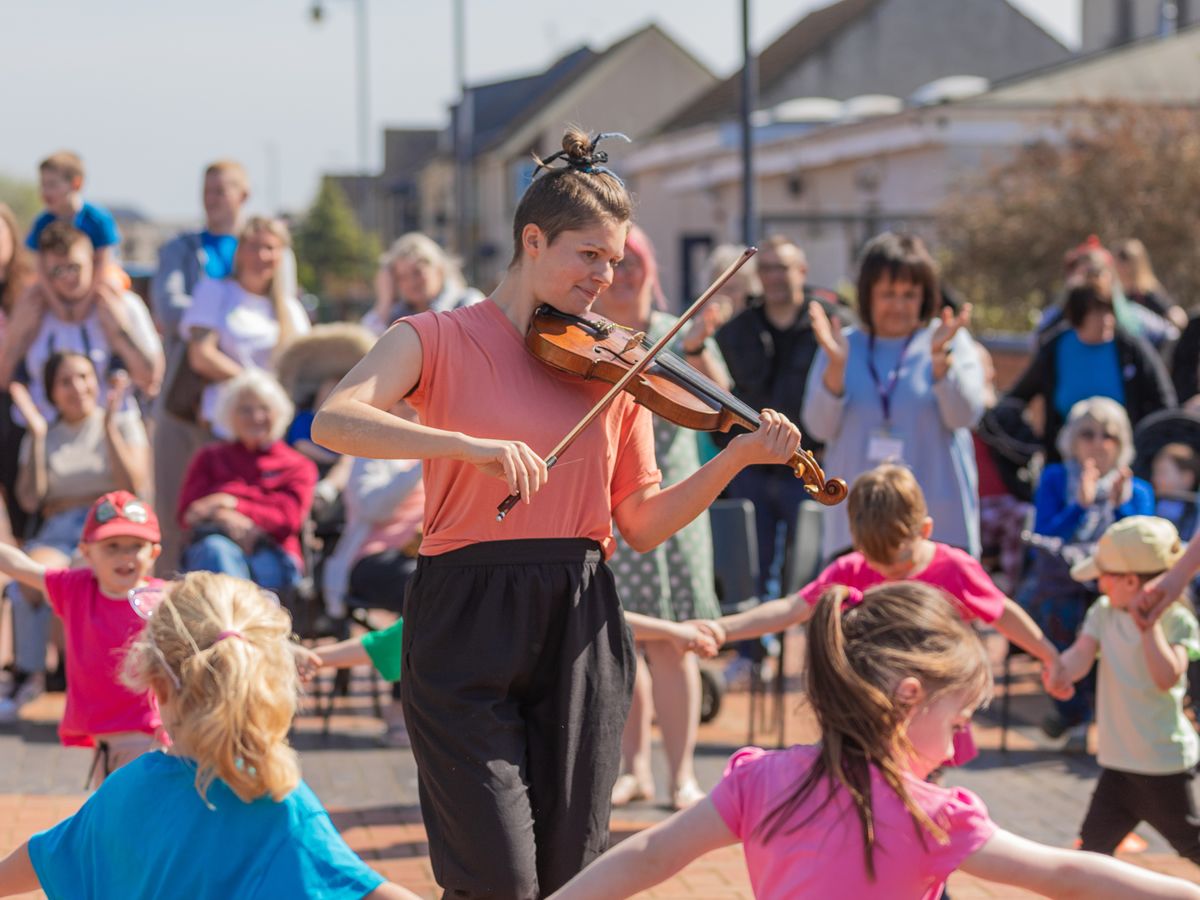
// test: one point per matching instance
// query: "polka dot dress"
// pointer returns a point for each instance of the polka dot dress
(675, 580)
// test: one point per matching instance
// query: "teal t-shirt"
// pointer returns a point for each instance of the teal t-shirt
(1141, 728)
(1086, 370)
(147, 833)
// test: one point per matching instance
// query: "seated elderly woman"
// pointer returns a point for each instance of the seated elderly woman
(244, 501)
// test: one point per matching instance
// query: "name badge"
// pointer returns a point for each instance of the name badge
(883, 446)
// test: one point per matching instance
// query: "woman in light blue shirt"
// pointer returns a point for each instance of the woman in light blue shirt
(905, 387)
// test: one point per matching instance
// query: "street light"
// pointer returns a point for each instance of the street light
(317, 14)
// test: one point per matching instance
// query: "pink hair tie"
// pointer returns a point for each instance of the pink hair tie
(227, 634)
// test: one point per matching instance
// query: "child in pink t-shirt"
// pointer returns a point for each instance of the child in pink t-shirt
(890, 526)
(120, 543)
(891, 680)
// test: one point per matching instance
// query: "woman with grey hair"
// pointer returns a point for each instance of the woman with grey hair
(244, 501)
(1076, 500)
(416, 274)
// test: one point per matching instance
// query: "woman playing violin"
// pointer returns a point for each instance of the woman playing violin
(517, 664)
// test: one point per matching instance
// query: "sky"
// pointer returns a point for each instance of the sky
(148, 91)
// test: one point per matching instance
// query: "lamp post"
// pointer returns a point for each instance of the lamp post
(464, 121)
(748, 99)
(317, 13)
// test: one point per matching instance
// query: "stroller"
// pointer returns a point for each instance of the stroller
(1168, 426)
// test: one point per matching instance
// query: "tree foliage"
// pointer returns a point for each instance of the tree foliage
(335, 257)
(22, 198)
(1119, 171)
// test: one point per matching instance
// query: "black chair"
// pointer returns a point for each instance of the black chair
(803, 562)
(802, 565)
(735, 554)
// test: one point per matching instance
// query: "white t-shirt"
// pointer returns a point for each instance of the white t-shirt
(85, 337)
(1141, 728)
(245, 324)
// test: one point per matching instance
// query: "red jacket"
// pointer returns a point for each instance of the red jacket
(273, 487)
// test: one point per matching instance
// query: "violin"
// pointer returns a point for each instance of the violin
(594, 348)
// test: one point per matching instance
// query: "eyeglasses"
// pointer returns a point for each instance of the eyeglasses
(65, 269)
(1090, 434)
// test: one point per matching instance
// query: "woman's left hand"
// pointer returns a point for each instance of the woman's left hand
(775, 441)
(939, 347)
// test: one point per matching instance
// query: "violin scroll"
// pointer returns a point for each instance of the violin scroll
(827, 492)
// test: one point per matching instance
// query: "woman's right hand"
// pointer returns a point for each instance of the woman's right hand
(1089, 478)
(524, 471)
(35, 422)
(829, 334)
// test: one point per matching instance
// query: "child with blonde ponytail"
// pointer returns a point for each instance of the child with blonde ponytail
(224, 813)
(891, 680)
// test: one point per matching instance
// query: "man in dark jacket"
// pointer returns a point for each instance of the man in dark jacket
(769, 348)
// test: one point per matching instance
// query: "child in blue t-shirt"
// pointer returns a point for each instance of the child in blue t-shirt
(61, 179)
(224, 813)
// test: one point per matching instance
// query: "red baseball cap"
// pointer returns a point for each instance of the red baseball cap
(120, 514)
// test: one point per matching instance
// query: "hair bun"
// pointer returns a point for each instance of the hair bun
(577, 145)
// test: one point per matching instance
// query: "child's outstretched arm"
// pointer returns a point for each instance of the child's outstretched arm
(766, 618)
(17, 565)
(390, 891)
(1017, 626)
(343, 654)
(1076, 661)
(1066, 874)
(1160, 592)
(16, 873)
(651, 856)
(684, 635)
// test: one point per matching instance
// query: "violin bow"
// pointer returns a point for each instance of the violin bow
(503, 509)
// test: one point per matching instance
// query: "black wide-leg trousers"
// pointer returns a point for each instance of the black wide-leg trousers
(517, 677)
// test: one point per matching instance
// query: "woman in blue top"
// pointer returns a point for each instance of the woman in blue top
(223, 813)
(905, 387)
(1090, 355)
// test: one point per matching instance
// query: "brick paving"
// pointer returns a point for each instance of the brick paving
(371, 791)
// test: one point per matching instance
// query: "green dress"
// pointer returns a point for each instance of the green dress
(674, 580)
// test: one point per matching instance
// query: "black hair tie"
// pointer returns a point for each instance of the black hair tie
(591, 163)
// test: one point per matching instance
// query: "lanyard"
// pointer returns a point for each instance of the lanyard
(885, 389)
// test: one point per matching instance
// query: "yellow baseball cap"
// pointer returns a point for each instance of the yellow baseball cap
(1143, 545)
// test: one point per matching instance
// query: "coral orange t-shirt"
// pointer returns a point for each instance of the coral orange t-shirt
(478, 378)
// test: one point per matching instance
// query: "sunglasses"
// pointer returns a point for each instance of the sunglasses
(146, 599)
(65, 269)
(1089, 434)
